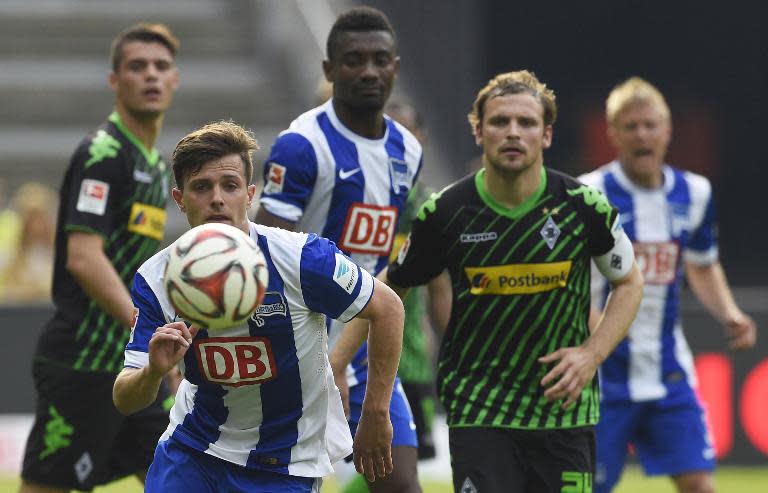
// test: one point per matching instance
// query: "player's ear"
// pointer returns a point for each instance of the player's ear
(478, 133)
(112, 80)
(546, 141)
(328, 70)
(178, 197)
(251, 194)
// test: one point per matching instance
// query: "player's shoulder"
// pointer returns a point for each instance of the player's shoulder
(290, 239)
(443, 203)
(596, 177)
(154, 267)
(102, 144)
(698, 185)
(410, 142)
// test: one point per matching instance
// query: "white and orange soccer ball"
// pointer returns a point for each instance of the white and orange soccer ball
(216, 276)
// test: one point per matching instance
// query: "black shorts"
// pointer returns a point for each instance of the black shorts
(421, 398)
(500, 460)
(79, 440)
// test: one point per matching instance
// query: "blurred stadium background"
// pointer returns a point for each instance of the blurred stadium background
(258, 62)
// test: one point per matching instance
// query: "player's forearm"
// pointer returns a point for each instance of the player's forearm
(710, 286)
(98, 278)
(620, 310)
(385, 342)
(135, 389)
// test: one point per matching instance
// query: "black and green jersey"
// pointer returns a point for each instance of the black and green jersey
(415, 363)
(520, 291)
(116, 188)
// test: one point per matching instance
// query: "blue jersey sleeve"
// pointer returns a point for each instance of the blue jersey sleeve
(289, 176)
(332, 283)
(148, 316)
(704, 237)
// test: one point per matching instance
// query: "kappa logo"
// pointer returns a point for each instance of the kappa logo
(369, 229)
(345, 273)
(478, 237)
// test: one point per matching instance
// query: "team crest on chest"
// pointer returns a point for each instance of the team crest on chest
(550, 232)
(399, 175)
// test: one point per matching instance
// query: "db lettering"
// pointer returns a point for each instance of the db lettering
(236, 361)
(369, 229)
(657, 261)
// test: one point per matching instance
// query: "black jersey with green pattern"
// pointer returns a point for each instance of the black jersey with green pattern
(116, 188)
(521, 281)
(415, 360)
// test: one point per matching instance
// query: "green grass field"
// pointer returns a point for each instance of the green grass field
(729, 480)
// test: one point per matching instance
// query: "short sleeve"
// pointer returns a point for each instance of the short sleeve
(290, 174)
(147, 316)
(97, 178)
(702, 247)
(331, 282)
(422, 255)
(603, 224)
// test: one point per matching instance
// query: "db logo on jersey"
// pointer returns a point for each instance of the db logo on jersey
(369, 229)
(657, 261)
(236, 361)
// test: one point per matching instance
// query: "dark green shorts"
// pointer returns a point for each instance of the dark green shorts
(79, 440)
(501, 460)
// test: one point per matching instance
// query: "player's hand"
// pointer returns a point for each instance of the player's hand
(168, 346)
(576, 366)
(741, 331)
(372, 448)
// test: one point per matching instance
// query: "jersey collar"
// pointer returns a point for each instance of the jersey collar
(513, 212)
(349, 134)
(152, 157)
(627, 184)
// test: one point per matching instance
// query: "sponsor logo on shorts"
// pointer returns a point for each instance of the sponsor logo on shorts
(275, 178)
(57, 433)
(236, 361)
(93, 197)
(147, 220)
(369, 229)
(518, 278)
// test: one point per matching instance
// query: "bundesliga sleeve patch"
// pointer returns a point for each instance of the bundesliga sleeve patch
(93, 197)
(275, 179)
(345, 273)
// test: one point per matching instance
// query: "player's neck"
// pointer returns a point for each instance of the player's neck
(146, 130)
(653, 178)
(512, 189)
(365, 123)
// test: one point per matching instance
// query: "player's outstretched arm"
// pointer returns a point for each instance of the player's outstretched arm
(576, 366)
(136, 388)
(710, 286)
(373, 439)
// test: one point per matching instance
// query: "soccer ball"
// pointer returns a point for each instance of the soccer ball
(216, 276)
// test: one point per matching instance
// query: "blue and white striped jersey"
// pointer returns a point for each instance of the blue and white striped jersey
(668, 226)
(347, 188)
(262, 395)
